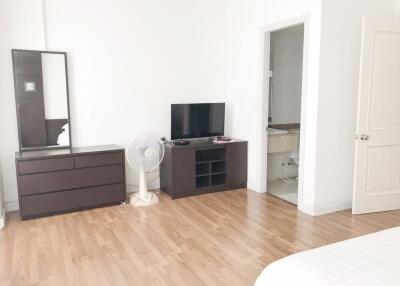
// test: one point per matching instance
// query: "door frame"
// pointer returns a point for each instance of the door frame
(264, 61)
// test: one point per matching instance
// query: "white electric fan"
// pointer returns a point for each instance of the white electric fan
(144, 154)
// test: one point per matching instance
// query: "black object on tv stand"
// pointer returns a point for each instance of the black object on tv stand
(203, 167)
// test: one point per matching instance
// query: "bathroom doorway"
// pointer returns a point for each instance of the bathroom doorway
(284, 72)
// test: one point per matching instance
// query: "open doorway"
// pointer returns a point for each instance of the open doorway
(285, 48)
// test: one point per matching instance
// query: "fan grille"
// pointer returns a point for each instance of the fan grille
(145, 152)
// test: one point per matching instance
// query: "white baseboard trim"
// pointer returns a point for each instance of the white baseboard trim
(2, 219)
(325, 208)
(313, 211)
(12, 206)
(307, 209)
(253, 187)
(331, 208)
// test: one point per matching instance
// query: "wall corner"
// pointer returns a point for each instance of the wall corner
(2, 218)
(397, 9)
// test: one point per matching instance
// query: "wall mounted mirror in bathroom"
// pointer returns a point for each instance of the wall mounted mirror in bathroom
(41, 97)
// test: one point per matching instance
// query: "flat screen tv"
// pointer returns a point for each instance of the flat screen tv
(197, 120)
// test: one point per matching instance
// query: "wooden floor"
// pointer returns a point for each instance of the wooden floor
(217, 239)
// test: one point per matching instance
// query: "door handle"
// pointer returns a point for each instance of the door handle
(364, 137)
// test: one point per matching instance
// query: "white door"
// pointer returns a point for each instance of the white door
(377, 162)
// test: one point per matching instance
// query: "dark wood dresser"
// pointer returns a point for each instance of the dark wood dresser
(203, 167)
(59, 181)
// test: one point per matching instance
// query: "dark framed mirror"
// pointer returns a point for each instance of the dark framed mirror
(42, 99)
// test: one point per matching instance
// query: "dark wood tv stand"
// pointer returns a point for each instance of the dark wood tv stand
(203, 167)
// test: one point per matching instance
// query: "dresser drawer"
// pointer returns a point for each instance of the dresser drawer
(63, 201)
(99, 159)
(45, 165)
(71, 179)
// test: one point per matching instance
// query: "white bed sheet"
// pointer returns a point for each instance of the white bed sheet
(369, 260)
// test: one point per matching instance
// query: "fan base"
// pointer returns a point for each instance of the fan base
(148, 199)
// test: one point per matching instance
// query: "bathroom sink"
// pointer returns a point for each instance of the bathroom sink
(283, 141)
(272, 131)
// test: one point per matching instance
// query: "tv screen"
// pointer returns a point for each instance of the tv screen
(197, 120)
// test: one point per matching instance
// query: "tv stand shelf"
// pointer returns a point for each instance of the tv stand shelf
(203, 167)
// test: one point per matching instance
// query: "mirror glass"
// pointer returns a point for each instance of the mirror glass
(41, 91)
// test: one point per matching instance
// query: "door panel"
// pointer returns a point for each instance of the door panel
(184, 181)
(377, 159)
(237, 164)
(184, 159)
(382, 180)
(385, 83)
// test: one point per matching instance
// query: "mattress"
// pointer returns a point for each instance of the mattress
(372, 259)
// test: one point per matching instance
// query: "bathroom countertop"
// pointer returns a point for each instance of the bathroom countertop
(283, 142)
(289, 132)
(294, 131)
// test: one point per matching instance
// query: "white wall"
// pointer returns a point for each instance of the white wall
(128, 61)
(339, 70)
(2, 217)
(245, 18)
(21, 28)
(287, 59)
(397, 11)
(331, 89)
(2, 123)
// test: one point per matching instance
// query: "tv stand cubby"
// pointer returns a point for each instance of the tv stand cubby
(203, 167)
(210, 167)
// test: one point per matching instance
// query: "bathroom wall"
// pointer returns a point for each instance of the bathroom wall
(274, 165)
(277, 143)
(286, 89)
(287, 69)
